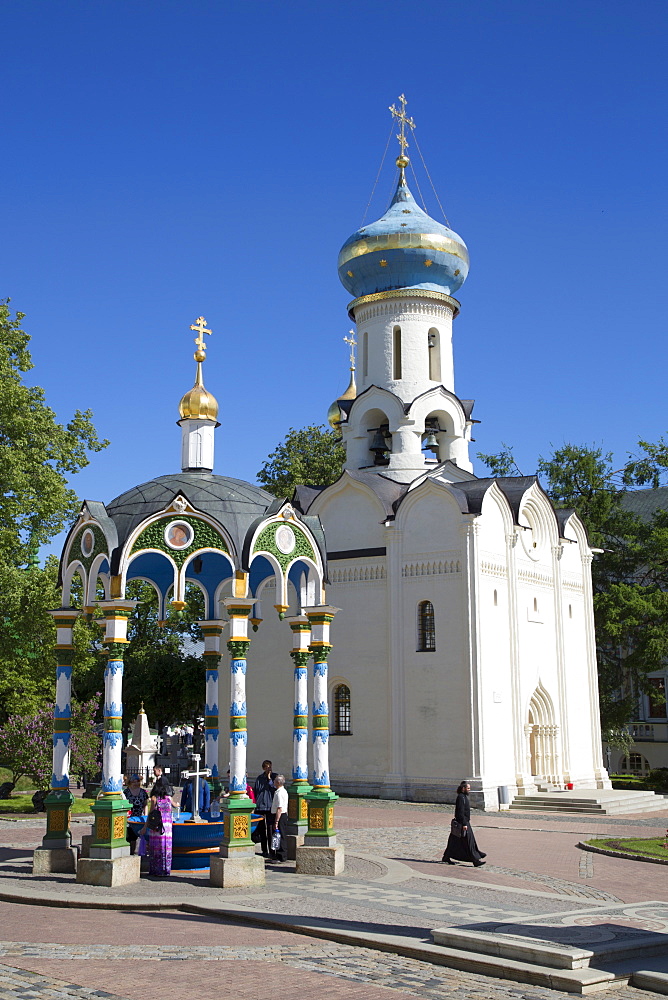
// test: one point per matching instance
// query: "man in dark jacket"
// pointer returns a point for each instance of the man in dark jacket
(264, 795)
(204, 798)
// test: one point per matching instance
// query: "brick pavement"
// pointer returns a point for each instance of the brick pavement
(534, 868)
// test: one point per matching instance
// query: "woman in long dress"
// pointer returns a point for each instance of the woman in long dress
(463, 847)
(160, 844)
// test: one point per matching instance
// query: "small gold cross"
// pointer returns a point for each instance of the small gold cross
(200, 326)
(353, 344)
(403, 122)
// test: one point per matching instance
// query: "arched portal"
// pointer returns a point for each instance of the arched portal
(542, 743)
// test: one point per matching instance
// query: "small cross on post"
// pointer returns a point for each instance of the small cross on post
(194, 775)
(353, 344)
(403, 122)
(200, 326)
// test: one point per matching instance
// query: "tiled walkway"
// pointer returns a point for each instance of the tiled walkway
(393, 882)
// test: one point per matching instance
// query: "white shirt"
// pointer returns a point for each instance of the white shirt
(280, 800)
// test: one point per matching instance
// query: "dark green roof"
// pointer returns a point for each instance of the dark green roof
(234, 503)
(645, 503)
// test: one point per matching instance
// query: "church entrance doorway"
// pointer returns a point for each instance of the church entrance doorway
(542, 739)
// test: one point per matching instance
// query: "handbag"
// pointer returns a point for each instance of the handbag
(276, 840)
(456, 829)
(141, 846)
(256, 833)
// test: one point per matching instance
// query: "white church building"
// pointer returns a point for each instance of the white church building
(464, 647)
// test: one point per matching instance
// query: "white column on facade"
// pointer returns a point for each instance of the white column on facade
(558, 595)
(469, 529)
(396, 714)
(520, 730)
(212, 631)
(600, 774)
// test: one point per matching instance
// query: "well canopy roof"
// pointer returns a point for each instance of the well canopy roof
(234, 503)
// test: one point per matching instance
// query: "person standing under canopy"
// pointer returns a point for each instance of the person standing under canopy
(462, 844)
(203, 799)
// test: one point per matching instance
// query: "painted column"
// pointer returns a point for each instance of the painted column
(238, 807)
(321, 798)
(212, 632)
(59, 800)
(299, 787)
(111, 809)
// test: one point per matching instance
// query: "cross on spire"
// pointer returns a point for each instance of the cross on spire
(200, 326)
(403, 122)
(352, 344)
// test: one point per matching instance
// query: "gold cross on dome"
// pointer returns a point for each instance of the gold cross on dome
(200, 326)
(403, 122)
(352, 344)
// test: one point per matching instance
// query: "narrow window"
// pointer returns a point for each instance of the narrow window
(657, 698)
(434, 348)
(396, 353)
(342, 710)
(535, 604)
(426, 628)
(570, 610)
(496, 599)
(365, 355)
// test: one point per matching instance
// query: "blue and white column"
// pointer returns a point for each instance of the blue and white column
(212, 632)
(321, 799)
(299, 787)
(59, 800)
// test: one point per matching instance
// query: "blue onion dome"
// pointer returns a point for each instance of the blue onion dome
(406, 248)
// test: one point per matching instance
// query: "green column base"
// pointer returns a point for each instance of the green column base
(321, 817)
(110, 826)
(298, 806)
(236, 840)
(58, 805)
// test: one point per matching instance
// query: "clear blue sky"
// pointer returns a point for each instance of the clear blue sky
(163, 160)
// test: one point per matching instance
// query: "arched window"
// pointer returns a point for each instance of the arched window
(396, 353)
(342, 710)
(434, 347)
(635, 763)
(365, 355)
(426, 628)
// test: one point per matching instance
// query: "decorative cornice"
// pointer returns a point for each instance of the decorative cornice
(431, 568)
(405, 293)
(357, 574)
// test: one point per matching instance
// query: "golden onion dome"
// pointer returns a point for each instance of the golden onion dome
(198, 403)
(334, 413)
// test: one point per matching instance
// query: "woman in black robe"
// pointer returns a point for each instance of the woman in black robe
(463, 846)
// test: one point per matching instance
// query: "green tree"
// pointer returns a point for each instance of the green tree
(629, 575)
(312, 456)
(36, 455)
(36, 452)
(158, 670)
(26, 743)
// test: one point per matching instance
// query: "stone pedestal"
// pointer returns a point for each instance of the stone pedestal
(237, 872)
(61, 860)
(294, 841)
(320, 860)
(86, 842)
(109, 871)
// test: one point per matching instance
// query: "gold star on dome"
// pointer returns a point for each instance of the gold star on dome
(383, 263)
(349, 273)
(428, 263)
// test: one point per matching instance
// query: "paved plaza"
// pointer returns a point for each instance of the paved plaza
(309, 934)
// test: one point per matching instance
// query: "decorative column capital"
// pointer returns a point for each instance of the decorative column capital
(114, 650)
(320, 651)
(300, 657)
(238, 648)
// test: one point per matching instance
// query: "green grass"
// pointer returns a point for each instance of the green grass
(24, 784)
(23, 804)
(651, 846)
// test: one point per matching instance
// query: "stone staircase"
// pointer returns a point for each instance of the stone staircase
(594, 801)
